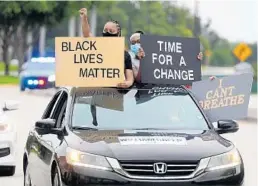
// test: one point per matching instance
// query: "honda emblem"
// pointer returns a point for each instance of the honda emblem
(160, 168)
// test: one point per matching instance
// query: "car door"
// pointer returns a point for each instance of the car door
(34, 146)
(49, 142)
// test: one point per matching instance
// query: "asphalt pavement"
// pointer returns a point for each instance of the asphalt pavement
(33, 103)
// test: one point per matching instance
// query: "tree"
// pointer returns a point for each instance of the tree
(23, 17)
(222, 54)
(253, 57)
(8, 25)
(34, 15)
(50, 14)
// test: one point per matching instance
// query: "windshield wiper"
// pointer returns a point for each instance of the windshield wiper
(83, 128)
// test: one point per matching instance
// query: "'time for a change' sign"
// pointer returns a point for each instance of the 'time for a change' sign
(89, 62)
(170, 60)
(226, 98)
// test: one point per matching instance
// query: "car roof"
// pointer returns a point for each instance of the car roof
(177, 88)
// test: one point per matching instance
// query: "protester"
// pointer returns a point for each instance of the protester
(136, 53)
(111, 29)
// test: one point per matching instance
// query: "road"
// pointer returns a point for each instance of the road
(32, 105)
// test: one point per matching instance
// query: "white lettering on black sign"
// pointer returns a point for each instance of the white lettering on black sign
(170, 60)
(167, 60)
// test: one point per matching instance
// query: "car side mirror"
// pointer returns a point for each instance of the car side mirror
(227, 126)
(10, 105)
(46, 124)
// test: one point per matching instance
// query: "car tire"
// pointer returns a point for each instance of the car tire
(10, 171)
(27, 179)
(56, 178)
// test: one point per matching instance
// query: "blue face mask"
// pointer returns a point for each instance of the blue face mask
(135, 48)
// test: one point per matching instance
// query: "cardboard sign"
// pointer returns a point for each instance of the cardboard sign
(108, 98)
(226, 98)
(170, 60)
(89, 62)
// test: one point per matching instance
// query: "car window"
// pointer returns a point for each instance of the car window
(50, 106)
(161, 112)
(40, 66)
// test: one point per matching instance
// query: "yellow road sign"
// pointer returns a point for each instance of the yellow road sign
(208, 53)
(242, 51)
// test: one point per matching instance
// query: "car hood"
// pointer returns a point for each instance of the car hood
(37, 73)
(153, 145)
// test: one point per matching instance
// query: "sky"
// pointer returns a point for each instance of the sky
(235, 20)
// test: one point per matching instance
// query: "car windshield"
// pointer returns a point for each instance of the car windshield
(136, 109)
(40, 66)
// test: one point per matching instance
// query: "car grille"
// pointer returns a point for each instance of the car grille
(4, 152)
(146, 168)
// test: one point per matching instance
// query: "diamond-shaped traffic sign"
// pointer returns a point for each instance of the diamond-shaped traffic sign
(208, 53)
(242, 51)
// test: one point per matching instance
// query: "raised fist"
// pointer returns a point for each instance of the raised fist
(83, 12)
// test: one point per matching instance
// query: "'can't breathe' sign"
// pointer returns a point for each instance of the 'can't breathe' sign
(226, 98)
(170, 60)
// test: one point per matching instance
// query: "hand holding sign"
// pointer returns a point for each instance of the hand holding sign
(141, 53)
(200, 56)
(125, 84)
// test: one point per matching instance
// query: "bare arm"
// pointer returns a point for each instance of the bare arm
(85, 23)
(85, 27)
(129, 76)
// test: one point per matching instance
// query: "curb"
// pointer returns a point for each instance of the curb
(8, 85)
(249, 119)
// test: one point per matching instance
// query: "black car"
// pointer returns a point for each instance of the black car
(153, 135)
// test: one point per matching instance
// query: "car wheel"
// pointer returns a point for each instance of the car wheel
(10, 171)
(27, 179)
(56, 180)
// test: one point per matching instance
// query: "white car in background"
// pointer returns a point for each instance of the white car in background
(8, 137)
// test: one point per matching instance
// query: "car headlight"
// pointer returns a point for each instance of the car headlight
(51, 78)
(77, 158)
(226, 160)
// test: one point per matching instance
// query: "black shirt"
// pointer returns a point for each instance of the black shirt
(128, 61)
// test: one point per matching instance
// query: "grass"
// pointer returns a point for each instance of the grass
(9, 80)
(11, 67)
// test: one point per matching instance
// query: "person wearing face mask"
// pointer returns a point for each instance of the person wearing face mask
(136, 53)
(111, 29)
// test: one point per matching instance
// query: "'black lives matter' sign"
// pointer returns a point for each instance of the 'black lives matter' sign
(170, 60)
(226, 98)
(89, 62)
